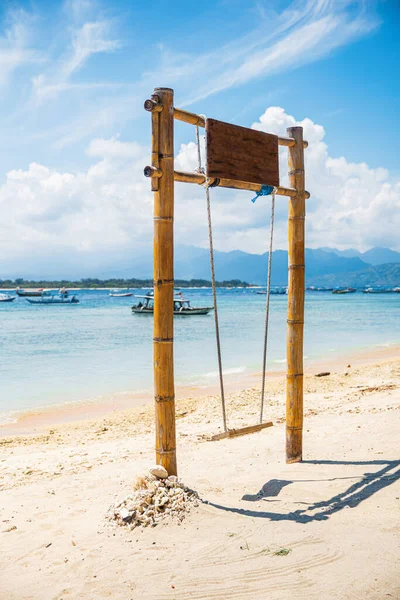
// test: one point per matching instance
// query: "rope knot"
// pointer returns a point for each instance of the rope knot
(265, 190)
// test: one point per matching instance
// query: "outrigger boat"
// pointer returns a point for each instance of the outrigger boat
(53, 300)
(182, 307)
(6, 298)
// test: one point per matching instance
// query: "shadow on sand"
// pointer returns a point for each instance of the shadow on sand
(369, 484)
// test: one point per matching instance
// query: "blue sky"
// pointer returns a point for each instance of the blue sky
(73, 77)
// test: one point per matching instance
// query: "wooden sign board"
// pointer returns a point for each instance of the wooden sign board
(241, 154)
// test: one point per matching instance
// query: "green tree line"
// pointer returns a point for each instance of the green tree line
(113, 283)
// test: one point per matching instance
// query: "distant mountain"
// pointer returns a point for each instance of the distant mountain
(379, 275)
(374, 256)
(193, 262)
(348, 253)
(380, 256)
(322, 267)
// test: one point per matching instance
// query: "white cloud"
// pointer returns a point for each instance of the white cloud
(70, 102)
(85, 40)
(91, 38)
(113, 148)
(303, 33)
(351, 203)
(103, 215)
(76, 221)
(79, 10)
(15, 49)
(105, 210)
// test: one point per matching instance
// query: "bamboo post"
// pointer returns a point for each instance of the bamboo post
(295, 321)
(155, 139)
(164, 392)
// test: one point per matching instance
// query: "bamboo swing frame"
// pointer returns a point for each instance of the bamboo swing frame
(163, 176)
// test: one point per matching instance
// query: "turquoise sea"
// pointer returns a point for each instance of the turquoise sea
(58, 354)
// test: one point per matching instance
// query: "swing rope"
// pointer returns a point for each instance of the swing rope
(214, 287)
(264, 368)
(265, 190)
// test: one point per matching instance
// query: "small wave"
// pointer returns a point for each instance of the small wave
(7, 419)
(232, 371)
(280, 360)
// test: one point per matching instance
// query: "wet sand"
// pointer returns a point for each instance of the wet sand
(33, 421)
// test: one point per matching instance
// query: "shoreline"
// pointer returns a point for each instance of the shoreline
(32, 421)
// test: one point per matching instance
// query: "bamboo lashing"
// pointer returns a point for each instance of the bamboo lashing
(295, 321)
(164, 389)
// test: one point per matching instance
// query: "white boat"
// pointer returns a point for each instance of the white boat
(379, 290)
(7, 298)
(31, 292)
(120, 293)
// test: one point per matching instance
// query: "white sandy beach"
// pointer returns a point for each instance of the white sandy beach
(327, 528)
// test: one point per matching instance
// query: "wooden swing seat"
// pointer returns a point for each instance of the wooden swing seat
(242, 431)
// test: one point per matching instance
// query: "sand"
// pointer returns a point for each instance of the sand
(326, 528)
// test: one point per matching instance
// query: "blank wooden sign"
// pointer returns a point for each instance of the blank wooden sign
(241, 154)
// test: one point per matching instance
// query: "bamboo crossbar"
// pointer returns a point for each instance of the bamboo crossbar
(242, 431)
(199, 178)
(188, 117)
(199, 120)
(289, 142)
(193, 119)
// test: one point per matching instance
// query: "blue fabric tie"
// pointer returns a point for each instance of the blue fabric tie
(265, 190)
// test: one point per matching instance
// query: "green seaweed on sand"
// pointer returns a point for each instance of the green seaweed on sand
(282, 552)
